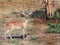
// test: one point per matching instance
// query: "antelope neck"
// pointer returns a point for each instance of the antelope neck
(25, 23)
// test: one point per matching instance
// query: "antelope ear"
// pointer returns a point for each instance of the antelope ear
(23, 13)
(30, 13)
(46, 1)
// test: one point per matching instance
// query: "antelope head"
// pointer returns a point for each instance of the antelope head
(26, 14)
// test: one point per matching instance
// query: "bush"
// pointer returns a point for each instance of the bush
(38, 14)
(56, 15)
(53, 27)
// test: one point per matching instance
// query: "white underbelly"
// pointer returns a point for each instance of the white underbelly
(17, 27)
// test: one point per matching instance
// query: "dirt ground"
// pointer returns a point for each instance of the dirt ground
(36, 35)
(10, 10)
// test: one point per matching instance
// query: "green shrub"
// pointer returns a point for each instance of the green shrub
(53, 27)
(56, 15)
(38, 14)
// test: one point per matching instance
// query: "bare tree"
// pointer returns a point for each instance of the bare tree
(49, 6)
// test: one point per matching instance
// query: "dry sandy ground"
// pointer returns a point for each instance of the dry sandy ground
(36, 36)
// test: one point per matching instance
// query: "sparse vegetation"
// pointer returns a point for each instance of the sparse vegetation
(53, 27)
(38, 14)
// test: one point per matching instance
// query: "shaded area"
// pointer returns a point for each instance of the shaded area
(16, 36)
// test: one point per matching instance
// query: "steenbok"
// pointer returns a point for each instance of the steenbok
(11, 25)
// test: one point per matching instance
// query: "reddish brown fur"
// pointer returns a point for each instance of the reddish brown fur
(15, 23)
